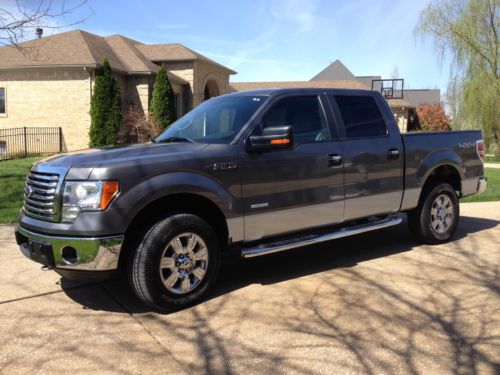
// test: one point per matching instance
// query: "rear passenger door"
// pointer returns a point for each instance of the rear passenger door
(373, 157)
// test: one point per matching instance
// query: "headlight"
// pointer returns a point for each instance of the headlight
(87, 196)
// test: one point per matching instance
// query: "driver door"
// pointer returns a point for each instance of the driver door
(300, 187)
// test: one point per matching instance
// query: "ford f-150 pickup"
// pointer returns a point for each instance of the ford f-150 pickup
(254, 173)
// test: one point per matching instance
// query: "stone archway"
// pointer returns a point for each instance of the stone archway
(211, 89)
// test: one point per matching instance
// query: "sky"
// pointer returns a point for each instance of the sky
(282, 40)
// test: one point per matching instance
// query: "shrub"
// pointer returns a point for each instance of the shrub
(105, 108)
(432, 117)
(135, 128)
(162, 102)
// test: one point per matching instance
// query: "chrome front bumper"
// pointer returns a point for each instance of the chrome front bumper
(481, 185)
(92, 254)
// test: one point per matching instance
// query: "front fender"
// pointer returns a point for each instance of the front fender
(159, 186)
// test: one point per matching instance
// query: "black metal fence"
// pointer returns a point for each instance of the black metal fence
(28, 141)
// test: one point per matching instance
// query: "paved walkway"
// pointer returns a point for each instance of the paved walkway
(492, 165)
(376, 303)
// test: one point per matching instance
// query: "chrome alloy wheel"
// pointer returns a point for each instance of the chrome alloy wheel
(442, 214)
(184, 263)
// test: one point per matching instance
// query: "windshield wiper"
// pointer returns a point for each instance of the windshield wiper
(174, 139)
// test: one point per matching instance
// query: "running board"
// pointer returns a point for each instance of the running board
(314, 239)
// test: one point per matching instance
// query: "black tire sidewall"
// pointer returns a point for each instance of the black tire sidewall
(146, 262)
(427, 232)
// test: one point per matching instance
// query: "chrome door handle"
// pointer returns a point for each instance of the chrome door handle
(394, 153)
(334, 159)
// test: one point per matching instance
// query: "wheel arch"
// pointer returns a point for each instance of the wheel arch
(448, 170)
(160, 208)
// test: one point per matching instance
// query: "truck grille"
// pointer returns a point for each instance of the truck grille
(40, 195)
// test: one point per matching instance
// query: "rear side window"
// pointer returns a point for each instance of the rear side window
(361, 116)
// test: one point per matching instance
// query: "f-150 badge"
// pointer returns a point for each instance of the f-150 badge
(222, 166)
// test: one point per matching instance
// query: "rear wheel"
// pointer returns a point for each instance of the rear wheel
(176, 263)
(435, 219)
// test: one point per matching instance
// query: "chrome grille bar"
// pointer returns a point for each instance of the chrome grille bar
(40, 195)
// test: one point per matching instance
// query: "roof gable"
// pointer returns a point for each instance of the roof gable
(68, 48)
(336, 71)
(175, 52)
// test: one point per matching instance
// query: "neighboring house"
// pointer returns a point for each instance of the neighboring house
(337, 75)
(49, 81)
(403, 109)
(245, 86)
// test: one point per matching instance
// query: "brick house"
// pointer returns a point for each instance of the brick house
(49, 81)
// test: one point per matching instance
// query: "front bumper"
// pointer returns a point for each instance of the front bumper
(71, 253)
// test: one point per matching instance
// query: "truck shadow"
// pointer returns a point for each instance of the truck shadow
(237, 273)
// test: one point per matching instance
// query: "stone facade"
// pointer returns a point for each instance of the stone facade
(49, 98)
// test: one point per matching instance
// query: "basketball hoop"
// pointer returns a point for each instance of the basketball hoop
(389, 88)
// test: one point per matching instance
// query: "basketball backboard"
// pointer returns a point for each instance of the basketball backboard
(389, 88)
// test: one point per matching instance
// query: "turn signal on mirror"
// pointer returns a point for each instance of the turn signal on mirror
(280, 141)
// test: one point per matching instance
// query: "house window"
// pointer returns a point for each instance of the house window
(2, 100)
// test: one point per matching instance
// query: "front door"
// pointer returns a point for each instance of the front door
(298, 188)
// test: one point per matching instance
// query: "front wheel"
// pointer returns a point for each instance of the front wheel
(435, 219)
(176, 263)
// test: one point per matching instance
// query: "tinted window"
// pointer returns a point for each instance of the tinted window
(217, 120)
(361, 116)
(2, 99)
(306, 116)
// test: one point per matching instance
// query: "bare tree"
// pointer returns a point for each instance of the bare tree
(18, 17)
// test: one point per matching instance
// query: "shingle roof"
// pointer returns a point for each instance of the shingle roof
(334, 72)
(80, 48)
(396, 103)
(175, 52)
(71, 48)
(345, 84)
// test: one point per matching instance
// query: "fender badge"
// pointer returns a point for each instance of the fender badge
(222, 166)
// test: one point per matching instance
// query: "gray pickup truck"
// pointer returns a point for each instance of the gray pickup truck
(254, 173)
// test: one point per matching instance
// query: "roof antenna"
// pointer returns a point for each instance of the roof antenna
(39, 32)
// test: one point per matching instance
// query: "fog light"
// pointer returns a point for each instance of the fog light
(69, 255)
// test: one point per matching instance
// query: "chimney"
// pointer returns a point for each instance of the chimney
(39, 32)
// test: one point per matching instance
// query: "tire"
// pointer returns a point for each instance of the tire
(435, 219)
(170, 269)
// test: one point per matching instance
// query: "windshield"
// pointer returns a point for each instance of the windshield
(217, 120)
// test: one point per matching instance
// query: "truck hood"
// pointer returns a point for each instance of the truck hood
(108, 156)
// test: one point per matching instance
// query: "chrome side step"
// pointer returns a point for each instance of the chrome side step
(313, 239)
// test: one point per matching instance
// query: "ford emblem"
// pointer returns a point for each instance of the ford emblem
(29, 191)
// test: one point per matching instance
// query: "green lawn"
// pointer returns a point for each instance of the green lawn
(12, 176)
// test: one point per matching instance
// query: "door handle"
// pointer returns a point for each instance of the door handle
(334, 159)
(393, 153)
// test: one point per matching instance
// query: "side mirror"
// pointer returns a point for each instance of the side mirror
(272, 138)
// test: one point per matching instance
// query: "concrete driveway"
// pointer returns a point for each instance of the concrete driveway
(376, 303)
